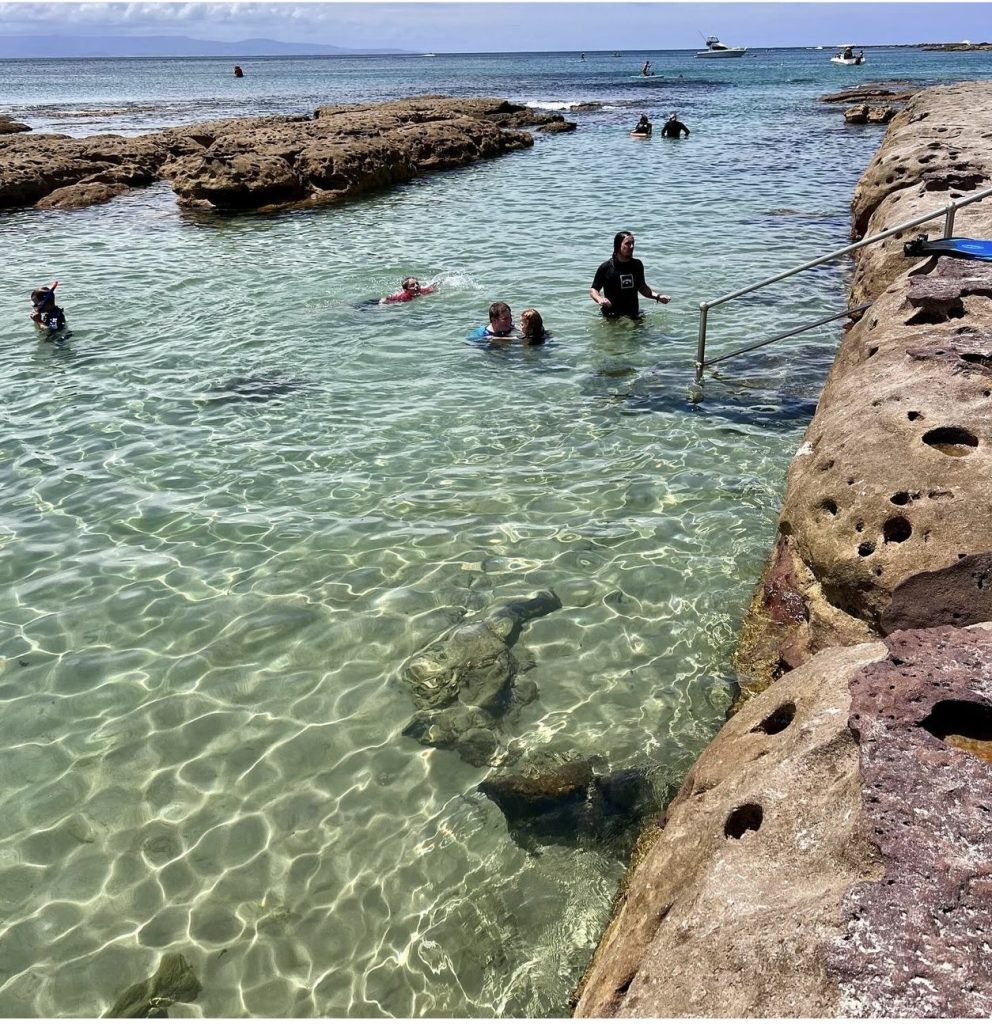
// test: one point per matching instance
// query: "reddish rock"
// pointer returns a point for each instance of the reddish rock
(913, 943)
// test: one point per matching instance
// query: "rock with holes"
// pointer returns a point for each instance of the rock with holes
(828, 855)
(893, 482)
(934, 150)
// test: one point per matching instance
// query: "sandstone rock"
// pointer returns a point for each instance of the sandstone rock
(8, 126)
(940, 132)
(558, 127)
(269, 162)
(857, 114)
(72, 197)
(465, 682)
(890, 92)
(726, 913)
(881, 114)
(827, 855)
(895, 462)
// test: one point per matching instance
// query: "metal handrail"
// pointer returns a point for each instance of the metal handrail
(704, 307)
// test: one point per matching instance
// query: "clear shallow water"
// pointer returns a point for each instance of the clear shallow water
(205, 607)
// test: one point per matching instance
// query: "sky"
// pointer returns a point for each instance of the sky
(472, 27)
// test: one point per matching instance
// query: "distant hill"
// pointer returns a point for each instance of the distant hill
(45, 44)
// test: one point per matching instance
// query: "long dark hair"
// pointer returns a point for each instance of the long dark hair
(618, 238)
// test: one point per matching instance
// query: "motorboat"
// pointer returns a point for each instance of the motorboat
(854, 59)
(714, 48)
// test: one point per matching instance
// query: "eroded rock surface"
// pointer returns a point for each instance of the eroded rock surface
(269, 162)
(828, 855)
(890, 490)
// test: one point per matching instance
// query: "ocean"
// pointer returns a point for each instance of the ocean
(208, 601)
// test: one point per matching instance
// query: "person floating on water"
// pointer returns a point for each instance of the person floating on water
(410, 289)
(618, 281)
(238, 73)
(531, 328)
(583, 56)
(646, 70)
(674, 127)
(44, 312)
(500, 324)
(642, 130)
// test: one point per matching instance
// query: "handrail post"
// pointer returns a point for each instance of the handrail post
(696, 391)
(949, 220)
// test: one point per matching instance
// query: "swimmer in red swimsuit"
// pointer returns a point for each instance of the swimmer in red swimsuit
(411, 289)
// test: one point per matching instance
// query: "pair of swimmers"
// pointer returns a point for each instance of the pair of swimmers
(44, 312)
(673, 128)
(501, 330)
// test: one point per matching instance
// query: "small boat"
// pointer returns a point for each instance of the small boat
(714, 48)
(840, 59)
(846, 55)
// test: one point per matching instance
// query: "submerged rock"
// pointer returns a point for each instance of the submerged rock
(256, 388)
(464, 683)
(569, 802)
(173, 982)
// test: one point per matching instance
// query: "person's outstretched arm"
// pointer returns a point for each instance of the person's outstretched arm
(649, 293)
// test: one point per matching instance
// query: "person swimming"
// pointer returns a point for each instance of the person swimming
(44, 312)
(410, 289)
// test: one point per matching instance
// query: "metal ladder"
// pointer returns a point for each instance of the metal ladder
(696, 388)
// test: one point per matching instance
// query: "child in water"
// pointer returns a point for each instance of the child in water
(44, 312)
(411, 288)
(532, 328)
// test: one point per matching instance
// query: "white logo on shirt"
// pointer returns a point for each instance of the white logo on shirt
(626, 280)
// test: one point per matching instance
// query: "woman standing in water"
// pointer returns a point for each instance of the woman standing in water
(618, 281)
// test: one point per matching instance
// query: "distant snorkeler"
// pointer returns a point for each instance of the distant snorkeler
(410, 289)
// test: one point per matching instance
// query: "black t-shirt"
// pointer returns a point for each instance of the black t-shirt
(619, 283)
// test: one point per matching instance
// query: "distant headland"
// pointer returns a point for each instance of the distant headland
(52, 45)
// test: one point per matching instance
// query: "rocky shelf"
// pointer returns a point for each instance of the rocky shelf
(264, 163)
(828, 853)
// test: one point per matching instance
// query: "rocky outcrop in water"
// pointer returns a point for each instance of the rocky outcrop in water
(464, 683)
(173, 982)
(884, 500)
(8, 126)
(827, 855)
(257, 163)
